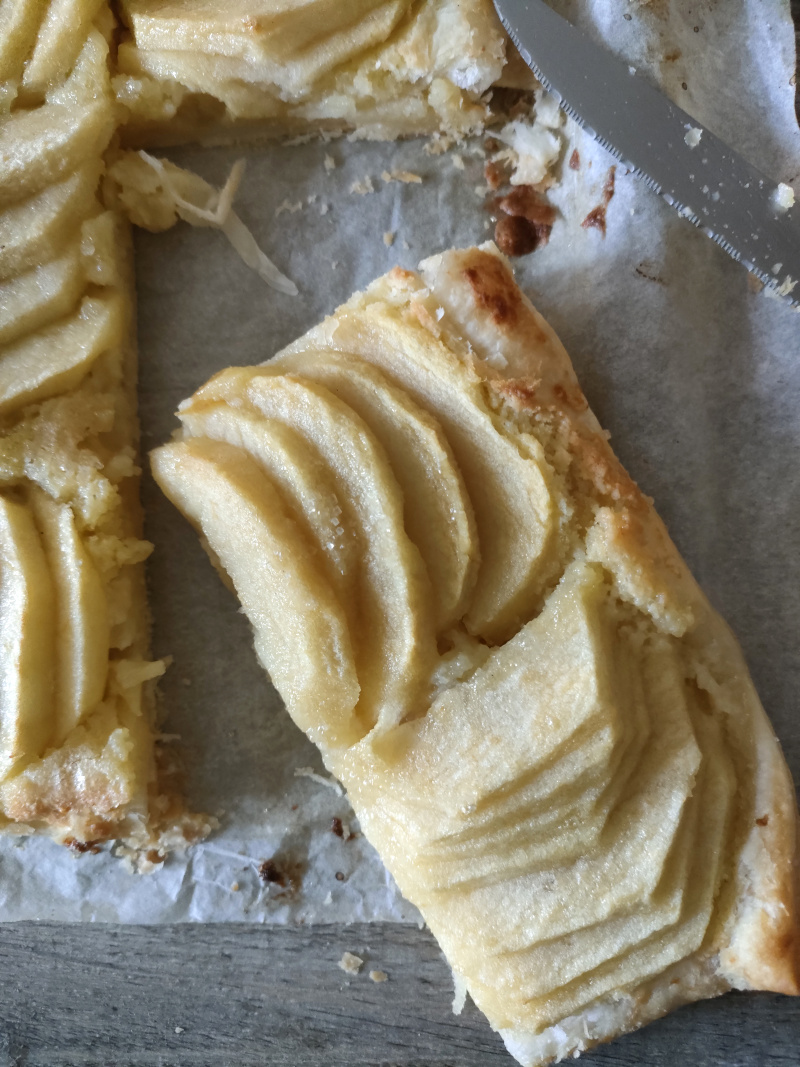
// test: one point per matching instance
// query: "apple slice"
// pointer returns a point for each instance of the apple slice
(31, 231)
(40, 145)
(395, 645)
(437, 511)
(508, 481)
(280, 30)
(55, 359)
(301, 635)
(19, 20)
(553, 976)
(58, 43)
(486, 738)
(661, 930)
(303, 478)
(36, 298)
(82, 630)
(27, 638)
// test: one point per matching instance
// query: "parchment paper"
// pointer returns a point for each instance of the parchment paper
(696, 375)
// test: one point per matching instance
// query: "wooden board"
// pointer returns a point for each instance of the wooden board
(255, 996)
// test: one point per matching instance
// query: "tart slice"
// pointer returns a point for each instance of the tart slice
(572, 776)
(77, 733)
(384, 68)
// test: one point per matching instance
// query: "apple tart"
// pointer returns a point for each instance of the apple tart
(77, 756)
(544, 728)
(383, 68)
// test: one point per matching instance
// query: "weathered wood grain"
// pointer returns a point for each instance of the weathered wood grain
(253, 996)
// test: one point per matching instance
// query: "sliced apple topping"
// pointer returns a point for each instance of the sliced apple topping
(508, 482)
(183, 26)
(44, 144)
(394, 641)
(437, 511)
(55, 359)
(301, 634)
(27, 638)
(302, 477)
(19, 21)
(58, 43)
(34, 229)
(81, 613)
(36, 298)
(552, 705)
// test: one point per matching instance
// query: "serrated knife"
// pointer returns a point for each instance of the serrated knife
(700, 176)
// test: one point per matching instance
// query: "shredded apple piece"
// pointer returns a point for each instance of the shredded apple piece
(179, 193)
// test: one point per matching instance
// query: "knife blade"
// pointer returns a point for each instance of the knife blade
(695, 172)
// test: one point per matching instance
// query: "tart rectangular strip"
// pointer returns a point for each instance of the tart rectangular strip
(572, 789)
(77, 739)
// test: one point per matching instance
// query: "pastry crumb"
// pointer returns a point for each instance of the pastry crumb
(289, 207)
(341, 829)
(457, 160)
(329, 162)
(350, 963)
(235, 887)
(180, 1029)
(459, 993)
(786, 288)
(783, 197)
(379, 976)
(438, 143)
(323, 209)
(493, 174)
(363, 187)
(388, 238)
(693, 135)
(406, 176)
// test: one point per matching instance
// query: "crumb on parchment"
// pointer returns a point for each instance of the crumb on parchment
(406, 176)
(363, 187)
(289, 206)
(784, 197)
